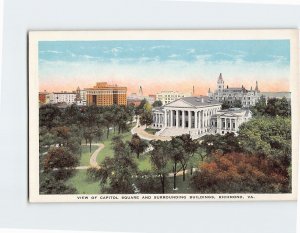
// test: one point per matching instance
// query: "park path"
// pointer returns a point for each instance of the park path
(140, 131)
(93, 158)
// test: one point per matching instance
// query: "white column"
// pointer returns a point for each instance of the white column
(196, 120)
(183, 119)
(177, 118)
(190, 119)
(165, 118)
(171, 123)
(202, 119)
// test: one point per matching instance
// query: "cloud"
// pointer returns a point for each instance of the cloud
(50, 51)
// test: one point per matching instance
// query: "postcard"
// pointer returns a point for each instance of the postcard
(163, 115)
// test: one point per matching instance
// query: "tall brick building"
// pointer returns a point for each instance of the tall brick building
(103, 94)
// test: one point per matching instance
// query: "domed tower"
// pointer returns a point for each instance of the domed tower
(220, 83)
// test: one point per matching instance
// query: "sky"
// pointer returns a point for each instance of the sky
(164, 65)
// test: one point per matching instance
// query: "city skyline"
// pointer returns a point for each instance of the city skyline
(164, 65)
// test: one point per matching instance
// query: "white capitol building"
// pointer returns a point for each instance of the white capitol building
(197, 116)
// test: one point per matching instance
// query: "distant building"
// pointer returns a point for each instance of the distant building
(80, 97)
(197, 116)
(68, 98)
(44, 97)
(136, 99)
(276, 95)
(230, 94)
(153, 97)
(169, 96)
(103, 94)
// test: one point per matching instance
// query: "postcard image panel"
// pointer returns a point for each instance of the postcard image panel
(170, 115)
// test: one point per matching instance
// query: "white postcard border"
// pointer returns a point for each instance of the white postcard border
(36, 36)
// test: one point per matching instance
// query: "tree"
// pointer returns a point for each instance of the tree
(159, 157)
(272, 107)
(117, 173)
(240, 173)
(146, 118)
(50, 185)
(224, 143)
(60, 158)
(146, 182)
(147, 107)
(233, 104)
(140, 107)
(137, 145)
(49, 116)
(157, 103)
(278, 107)
(259, 108)
(177, 152)
(265, 136)
(61, 134)
(71, 115)
(190, 147)
(106, 120)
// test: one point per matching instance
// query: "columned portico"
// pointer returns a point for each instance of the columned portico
(183, 119)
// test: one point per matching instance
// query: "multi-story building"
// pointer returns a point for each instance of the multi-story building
(103, 94)
(63, 97)
(197, 116)
(80, 97)
(230, 94)
(169, 96)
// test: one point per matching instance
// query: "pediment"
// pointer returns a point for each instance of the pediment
(179, 103)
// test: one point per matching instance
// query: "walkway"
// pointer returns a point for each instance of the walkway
(140, 131)
(93, 159)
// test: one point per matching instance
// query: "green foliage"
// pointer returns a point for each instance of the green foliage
(235, 104)
(223, 143)
(49, 116)
(267, 136)
(157, 103)
(147, 182)
(272, 107)
(53, 183)
(60, 158)
(159, 159)
(137, 145)
(93, 173)
(146, 118)
(147, 107)
(116, 174)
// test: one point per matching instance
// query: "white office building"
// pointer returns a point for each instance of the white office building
(169, 96)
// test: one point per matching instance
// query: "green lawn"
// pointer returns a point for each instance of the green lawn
(85, 154)
(83, 184)
(107, 151)
(182, 186)
(143, 162)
